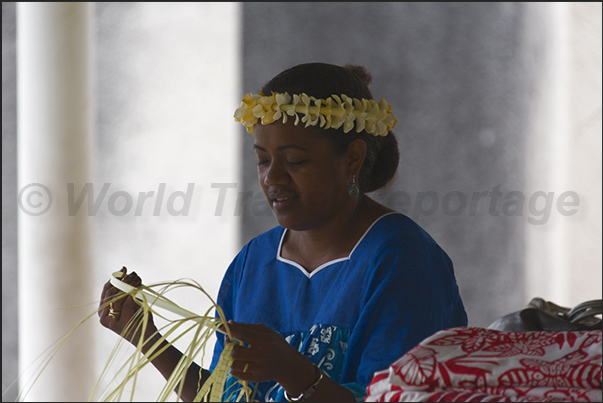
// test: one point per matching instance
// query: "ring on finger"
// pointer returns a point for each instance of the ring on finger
(245, 367)
(112, 312)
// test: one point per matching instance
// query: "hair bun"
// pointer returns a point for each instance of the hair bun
(361, 71)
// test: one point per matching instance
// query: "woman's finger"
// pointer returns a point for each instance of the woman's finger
(130, 307)
(127, 310)
(103, 297)
(107, 295)
(242, 353)
(241, 367)
(108, 285)
(242, 332)
(112, 305)
(109, 306)
(133, 312)
(118, 311)
(133, 279)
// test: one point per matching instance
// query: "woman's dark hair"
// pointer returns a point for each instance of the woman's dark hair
(322, 80)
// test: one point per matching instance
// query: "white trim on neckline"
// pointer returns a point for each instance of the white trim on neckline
(322, 266)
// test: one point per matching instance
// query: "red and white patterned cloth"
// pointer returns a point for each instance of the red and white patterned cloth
(470, 364)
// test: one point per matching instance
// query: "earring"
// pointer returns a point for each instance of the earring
(353, 190)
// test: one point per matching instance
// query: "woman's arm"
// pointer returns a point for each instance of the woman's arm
(303, 375)
(123, 311)
(167, 361)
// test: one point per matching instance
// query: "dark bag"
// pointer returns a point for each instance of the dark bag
(541, 315)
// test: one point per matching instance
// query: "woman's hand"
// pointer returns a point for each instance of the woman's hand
(269, 357)
(124, 308)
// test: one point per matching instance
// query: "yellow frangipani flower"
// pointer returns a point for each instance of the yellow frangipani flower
(332, 113)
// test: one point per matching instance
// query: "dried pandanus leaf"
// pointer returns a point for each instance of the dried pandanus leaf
(203, 328)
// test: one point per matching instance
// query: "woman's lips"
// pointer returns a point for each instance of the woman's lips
(282, 202)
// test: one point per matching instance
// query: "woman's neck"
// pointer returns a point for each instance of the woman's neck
(314, 247)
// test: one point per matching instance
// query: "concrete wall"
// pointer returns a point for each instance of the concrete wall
(492, 97)
(583, 236)
(460, 79)
(496, 102)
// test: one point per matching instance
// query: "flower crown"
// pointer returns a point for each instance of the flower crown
(332, 113)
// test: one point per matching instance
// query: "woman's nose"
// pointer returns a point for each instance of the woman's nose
(276, 174)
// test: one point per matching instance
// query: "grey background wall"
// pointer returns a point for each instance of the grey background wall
(492, 103)
(471, 85)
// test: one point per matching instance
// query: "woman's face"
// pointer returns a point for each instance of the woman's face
(305, 183)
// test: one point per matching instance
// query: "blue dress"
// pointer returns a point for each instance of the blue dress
(352, 316)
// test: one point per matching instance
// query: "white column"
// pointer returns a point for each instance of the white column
(55, 147)
(547, 160)
(563, 255)
(168, 84)
(583, 230)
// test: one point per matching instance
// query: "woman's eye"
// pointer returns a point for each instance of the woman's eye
(295, 162)
(263, 162)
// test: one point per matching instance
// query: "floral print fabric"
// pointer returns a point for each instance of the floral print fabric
(471, 364)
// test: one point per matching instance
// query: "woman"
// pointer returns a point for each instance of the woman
(344, 285)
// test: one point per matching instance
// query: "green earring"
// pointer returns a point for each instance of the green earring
(353, 190)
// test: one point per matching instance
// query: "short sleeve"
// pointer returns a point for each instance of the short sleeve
(410, 293)
(226, 297)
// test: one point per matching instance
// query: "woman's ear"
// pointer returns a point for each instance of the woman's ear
(355, 156)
